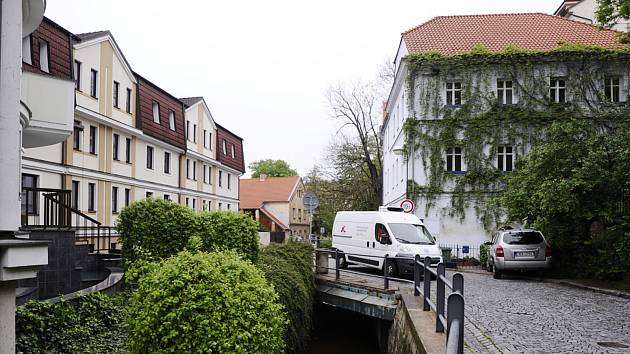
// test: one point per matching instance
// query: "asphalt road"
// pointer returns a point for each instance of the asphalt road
(519, 315)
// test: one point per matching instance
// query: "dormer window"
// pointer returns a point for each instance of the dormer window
(233, 151)
(224, 147)
(156, 112)
(171, 120)
(26, 50)
(44, 63)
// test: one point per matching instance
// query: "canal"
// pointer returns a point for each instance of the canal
(338, 331)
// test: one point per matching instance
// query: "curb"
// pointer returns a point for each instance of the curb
(564, 282)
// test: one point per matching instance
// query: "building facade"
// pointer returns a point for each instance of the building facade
(277, 203)
(129, 139)
(435, 166)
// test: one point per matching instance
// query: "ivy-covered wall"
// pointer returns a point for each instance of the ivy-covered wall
(480, 123)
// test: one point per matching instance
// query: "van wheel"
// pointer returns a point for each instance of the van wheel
(392, 269)
(343, 263)
(497, 273)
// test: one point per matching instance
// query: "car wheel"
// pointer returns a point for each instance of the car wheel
(497, 273)
(392, 269)
(343, 264)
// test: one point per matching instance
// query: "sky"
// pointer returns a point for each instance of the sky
(264, 67)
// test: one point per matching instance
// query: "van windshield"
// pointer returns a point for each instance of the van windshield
(411, 233)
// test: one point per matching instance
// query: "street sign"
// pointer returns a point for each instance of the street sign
(407, 205)
(311, 202)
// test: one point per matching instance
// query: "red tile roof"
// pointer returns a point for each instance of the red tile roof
(254, 192)
(451, 35)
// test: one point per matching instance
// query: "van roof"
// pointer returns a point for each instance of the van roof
(382, 216)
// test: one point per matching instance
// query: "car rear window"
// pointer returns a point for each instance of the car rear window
(523, 238)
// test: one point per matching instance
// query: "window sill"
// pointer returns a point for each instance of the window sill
(457, 173)
(93, 153)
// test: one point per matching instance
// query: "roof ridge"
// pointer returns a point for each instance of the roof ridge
(474, 15)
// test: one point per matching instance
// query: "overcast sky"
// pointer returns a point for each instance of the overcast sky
(264, 66)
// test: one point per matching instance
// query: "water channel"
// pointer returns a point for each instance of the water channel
(338, 331)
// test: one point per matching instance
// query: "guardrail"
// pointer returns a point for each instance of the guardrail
(452, 321)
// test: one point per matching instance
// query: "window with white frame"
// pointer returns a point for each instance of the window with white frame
(205, 138)
(209, 141)
(115, 143)
(220, 178)
(167, 162)
(224, 147)
(171, 120)
(188, 129)
(454, 159)
(93, 82)
(612, 89)
(128, 105)
(453, 93)
(187, 202)
(505, 91)
(26, 50)
(150, 157)
(127, 196)
(77, 75)
(505, 158)
(205, 174)
(194, 203)
(557, 90)
(91, 197)
(194, 170)
(188, 168)
(116, 93)
(194, 133)
(229, 181)
(156, 112)
(114, 199)
(44, 55)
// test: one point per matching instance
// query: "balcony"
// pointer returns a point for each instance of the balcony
(50, 102)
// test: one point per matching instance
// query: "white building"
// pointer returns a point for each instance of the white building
(584, 11)
(436, 91)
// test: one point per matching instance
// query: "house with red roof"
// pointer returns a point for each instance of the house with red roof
(463, 67)
(277, 203)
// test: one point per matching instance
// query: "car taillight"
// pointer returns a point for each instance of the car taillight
(548, 251)
(499, 252)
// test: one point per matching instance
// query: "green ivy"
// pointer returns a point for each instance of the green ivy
(481, 124)
(89, 324)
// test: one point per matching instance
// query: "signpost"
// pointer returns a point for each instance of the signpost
(311, 202)
(407, 205)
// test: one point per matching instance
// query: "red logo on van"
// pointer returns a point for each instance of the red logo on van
(343, 228)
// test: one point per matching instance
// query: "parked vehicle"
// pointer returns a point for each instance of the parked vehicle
(517, 249)
(366, 237)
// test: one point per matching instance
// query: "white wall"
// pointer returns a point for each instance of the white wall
(90, 58)
(52, 153)
(156, 174)
(120, 75)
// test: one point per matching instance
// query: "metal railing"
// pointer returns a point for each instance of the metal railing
(453, 305)
(46, 209)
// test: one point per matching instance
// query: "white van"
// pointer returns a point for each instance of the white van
(365, 237)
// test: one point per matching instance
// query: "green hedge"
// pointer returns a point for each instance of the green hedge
(155, 229)
(289, 267)
(229, 230)
(205, 303)
(90, 324)
(483, 254)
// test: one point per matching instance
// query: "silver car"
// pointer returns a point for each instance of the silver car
(517, 249)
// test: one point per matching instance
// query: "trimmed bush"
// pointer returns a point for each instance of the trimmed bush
(156, 227)
(229, 230)
(153, 229)
(90, 324)
(289, 267)
(205, 303)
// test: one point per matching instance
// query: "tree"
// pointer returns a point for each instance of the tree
(356, 107)
(610, 12)
(271, 168)
(575, 189)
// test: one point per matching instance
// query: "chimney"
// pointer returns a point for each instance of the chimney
(263, 177)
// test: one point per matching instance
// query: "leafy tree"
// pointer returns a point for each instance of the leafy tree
(609, 12)
(271, 168)
(205, 303)
(572, 188)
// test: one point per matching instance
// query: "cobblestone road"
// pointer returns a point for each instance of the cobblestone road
(521, 316)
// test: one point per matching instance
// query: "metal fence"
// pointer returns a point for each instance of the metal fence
(462, 251)
(452, 321)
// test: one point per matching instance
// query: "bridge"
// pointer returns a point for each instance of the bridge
(415, 318)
